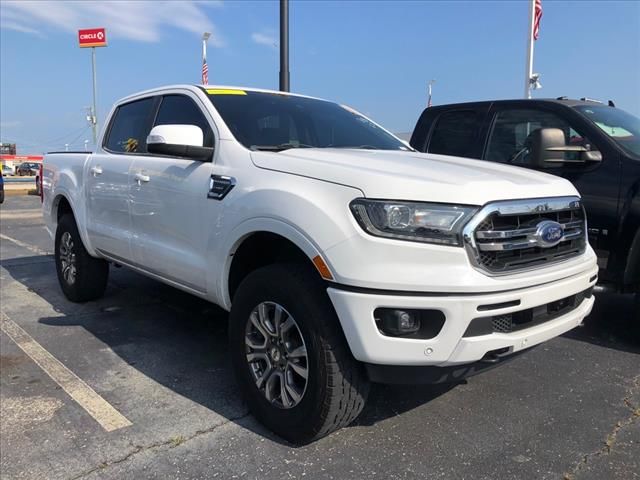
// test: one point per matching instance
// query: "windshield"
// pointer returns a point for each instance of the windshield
(275, 122)
(620, 126)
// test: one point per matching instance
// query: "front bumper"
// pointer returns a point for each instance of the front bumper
(450, 347)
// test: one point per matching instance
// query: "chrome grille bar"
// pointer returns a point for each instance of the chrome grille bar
(512, 236)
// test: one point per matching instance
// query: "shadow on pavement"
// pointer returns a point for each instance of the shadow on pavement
(612, 324)
(178, 340)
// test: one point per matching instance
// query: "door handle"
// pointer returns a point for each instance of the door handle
(97, 170)
(140, 178)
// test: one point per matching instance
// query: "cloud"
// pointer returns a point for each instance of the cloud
(267, 39)
(135, 20)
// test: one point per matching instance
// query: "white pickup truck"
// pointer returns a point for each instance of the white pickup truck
(343, 256)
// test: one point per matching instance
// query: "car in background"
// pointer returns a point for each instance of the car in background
(28, 168)
(1, 187)
(595, 146)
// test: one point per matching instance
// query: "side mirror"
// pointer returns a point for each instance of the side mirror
(179, 141)
(547, 148)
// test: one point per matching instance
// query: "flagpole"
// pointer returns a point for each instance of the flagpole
(529, 71)
(205, 37)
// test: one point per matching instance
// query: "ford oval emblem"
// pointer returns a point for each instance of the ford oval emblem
(549, 233)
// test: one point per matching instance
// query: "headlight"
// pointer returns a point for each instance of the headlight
(418, 222)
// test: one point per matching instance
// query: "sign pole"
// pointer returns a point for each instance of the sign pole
(93, 37)
(94, 113)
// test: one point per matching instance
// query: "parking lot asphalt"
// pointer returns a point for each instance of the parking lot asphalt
(158, 357)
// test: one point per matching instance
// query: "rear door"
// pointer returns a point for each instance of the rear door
(597, 182)
(108, 178)
(453, 130)
(169, 208)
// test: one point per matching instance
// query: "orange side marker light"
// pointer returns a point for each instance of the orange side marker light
(322, 268)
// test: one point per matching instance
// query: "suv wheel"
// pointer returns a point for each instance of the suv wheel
(81, 276)
(290, 357)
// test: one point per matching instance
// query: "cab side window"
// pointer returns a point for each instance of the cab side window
(508, 142)
(181, 110)
(130, 127)
(455, 134)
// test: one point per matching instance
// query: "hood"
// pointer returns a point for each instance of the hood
(400, 175)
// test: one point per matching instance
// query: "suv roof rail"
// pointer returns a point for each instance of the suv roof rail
(611, 104)
(587, 99)
(563, 97)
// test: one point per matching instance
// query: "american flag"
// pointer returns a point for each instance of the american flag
(205, 72)
(537, 16)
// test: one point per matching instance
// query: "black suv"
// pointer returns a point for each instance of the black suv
(595, 146)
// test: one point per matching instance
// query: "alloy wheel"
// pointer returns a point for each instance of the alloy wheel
(276, 355)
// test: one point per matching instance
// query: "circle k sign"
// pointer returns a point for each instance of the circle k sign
(92, 37)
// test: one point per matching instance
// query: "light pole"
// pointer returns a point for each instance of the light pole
(284, 45)
(205, 67)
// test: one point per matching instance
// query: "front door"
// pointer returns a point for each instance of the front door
(169, 206)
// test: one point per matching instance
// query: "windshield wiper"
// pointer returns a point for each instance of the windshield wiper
(361, 147)
(281, 147)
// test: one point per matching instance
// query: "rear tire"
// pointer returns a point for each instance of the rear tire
(327, 389)
(81, 276)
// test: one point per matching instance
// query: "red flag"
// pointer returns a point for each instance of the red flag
(537, 16)
(205, 72)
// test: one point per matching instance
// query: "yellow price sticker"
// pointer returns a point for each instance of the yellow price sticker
(223, 91)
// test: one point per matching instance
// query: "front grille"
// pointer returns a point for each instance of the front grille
(502, 323)
(507, 236)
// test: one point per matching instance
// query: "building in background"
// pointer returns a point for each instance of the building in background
(7, 148)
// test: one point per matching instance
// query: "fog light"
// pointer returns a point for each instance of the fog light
(398, 322)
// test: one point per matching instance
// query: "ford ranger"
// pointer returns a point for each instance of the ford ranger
(344, 256)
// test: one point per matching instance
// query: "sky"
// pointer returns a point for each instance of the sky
(376, 56)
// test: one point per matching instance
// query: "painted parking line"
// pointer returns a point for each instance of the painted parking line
(29, 247)
(85, 396)
(27, 214)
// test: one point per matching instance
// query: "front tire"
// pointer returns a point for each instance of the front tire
(290, 356)
(81, 276)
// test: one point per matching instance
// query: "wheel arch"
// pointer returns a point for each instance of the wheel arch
(61, 205)
(262, 242)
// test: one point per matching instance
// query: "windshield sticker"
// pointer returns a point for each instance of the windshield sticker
(224, 91)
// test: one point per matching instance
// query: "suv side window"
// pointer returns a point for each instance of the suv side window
(181, 110)
(511, 129)
(130, 127)
(455, 133)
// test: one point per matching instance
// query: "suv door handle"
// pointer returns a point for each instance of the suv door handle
(140, 177)
(97, 170)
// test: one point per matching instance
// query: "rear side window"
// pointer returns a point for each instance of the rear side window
(130, 127)
(181, 110)
(455, 134)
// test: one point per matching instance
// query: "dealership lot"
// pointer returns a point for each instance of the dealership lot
(164, 403)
